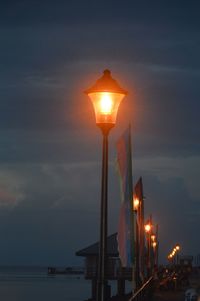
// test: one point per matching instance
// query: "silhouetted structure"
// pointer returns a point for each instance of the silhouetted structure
(186, 260)
(114, 270)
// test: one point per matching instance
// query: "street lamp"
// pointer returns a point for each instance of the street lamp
(177, 255)
(148, 228)
(154, 244)
(153, 238)
(136, 207)
(136, 203)
(106, 96)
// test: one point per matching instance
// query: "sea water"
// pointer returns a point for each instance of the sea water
(34, 284)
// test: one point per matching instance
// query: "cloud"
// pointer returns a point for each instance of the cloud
(11, 189)
(7, 199)
(66, 198)
(165, 168)
(42, 82)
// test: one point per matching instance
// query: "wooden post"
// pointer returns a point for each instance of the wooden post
(120, 287)
(94, 288)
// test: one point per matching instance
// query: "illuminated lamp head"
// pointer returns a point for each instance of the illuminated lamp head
(106, 96)
(147, 228)
(136, 203)
(154, 244)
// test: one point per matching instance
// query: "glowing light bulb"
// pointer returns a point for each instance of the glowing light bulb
(147, 227)
(106, 104)
(136, 203)
(154, 244)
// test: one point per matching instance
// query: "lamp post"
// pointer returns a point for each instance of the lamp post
(106, 96)
(147, 228)
(177, 255)
(157, 246)
(136, 207)
(154, 246)
(136, 204)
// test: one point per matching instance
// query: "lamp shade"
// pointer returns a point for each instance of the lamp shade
(106, 96)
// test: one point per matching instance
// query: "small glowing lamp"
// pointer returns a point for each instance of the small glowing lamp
(177, 247)
(106, 96)
(147, 228)
(153, 237)
(154, 244)
(136, 203)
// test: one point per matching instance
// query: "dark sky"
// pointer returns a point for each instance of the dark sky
(50, 149)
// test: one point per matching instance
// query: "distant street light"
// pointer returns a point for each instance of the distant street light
(106, 96)
(136, 207)
(177, 253)
(136, 203)
(153, 238)
(174, 252)
(154, 244)
(148, 228)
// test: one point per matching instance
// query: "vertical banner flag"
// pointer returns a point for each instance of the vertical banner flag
(125, 227)
(138, 193)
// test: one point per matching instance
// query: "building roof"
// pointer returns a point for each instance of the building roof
(93, 250)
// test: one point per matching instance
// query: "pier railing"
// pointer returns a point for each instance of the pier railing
(145, 292)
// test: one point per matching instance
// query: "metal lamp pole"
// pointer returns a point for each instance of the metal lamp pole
(148, 227)
(102, 283)
(137, 209)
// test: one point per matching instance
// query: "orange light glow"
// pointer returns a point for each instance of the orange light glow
(106, 105)
(136, 203)
(147, 228)
(154, 244)
(106, 96)
(177, 247)
(153, 237)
